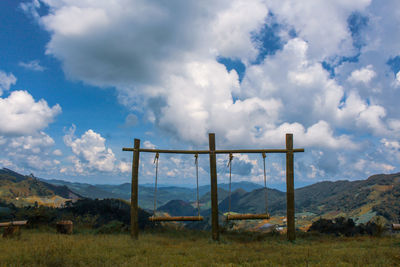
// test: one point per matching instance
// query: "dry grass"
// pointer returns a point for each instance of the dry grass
(190, 248)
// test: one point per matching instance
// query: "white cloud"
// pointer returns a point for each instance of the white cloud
(28, 153)
(124, 167)
(30, 8)
(364, 75)
(187, 92)
(22, 139)
(6, 81)
(391, 144)
(148, 144)
(32, 65)
(233, 27)
(323, 24)
(398, 78)
(57, 152)
(162, 59)
(373, 167)
(90, 152)
(37, 162)
(75, 21)
(36, 144)
(20, 114)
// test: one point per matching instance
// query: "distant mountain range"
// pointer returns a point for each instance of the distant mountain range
(146, 192)
(361, 200)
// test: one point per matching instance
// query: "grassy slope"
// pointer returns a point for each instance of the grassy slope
(22, 190)
(195, 249)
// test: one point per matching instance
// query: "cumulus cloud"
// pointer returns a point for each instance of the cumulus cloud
(35, 143)
(28, 153)
(323, 24)
(90, 152)
(187, 92)
(124, 167)
(22, 140)
(398, 78)
(373, 167)
(162, 67)
(243, 165)
(364, 75)
(148, 144)
(32, 65)
(57, 152)
(6, 81)
(20, 114)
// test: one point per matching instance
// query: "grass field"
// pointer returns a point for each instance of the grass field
(195, 248)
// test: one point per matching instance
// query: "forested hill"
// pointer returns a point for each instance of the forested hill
(26, 190)
(379, 194)
(361, 199)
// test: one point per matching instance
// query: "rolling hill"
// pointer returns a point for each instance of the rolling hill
(360, 200)
(26, 190)
(146, 192)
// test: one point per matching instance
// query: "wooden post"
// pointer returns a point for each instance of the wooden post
(291, 230)
(134, 192)
(214, 187)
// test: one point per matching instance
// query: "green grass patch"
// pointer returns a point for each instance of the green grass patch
(195, 248)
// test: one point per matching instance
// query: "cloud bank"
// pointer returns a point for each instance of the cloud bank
(317, 69)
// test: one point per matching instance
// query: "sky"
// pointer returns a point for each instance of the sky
(80, 79)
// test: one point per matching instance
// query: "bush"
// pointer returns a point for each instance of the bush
(347, 227)
(113, 227)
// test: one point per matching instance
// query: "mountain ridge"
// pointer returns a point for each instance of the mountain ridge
(379, 194)
(27, 189)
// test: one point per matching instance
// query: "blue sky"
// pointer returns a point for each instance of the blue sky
(79, 80)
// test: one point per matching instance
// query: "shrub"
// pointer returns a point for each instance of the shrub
(113, 227)
(347, 227)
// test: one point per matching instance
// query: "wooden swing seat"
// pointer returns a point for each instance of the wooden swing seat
(6, 224)
(175, 218)
(261, 216)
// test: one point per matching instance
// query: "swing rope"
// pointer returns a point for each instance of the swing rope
(155, 185)
(230, 181)
(265, 184)
(196, 159)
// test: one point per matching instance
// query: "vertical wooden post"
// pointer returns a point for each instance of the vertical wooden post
(134, 192)
(214, 187)
(291, 230)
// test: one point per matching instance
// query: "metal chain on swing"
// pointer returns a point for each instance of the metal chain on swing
(155, 185)
(265, 184)
(230, 181)
(196, 160)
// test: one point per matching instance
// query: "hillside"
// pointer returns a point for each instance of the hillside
(179, 208)
(360, 200)
(26, 190)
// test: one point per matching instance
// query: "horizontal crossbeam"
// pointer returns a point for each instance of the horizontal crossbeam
(233, 151)
(176, 218)
(262, 216)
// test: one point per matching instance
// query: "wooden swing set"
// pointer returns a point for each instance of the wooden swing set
(290, 210)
